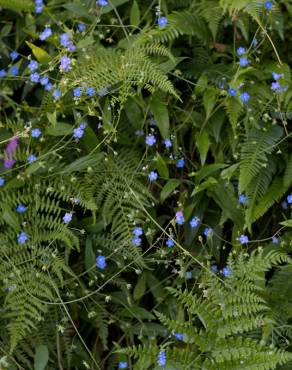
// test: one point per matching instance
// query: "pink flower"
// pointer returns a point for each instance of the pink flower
(10, 151)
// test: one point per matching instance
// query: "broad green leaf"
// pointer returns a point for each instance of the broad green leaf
(41, 357)
(162, 167)
(168, 188)
(17, 5)
(41, 55)
(11, 219)
(82, 163)
(205, 185)
(60, 129)
(209, 100)
(52, 117)
(287, 223)
(135, 14)
(207, 170)
(90, 139)
(203, 142)
(79, 9)
(158, 106)
(140, 287)
(89, 255)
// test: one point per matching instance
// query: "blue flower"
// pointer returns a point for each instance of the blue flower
(275, 86)
(242, 199)
(65, 40)
(194, 222)
(65, 64)
(22, 237)
(36, 132)
(14, 71)
(161, 359)
(39, 6)
(136, 241)
(78, 132)
(90, 91)
(207, 231)
(34, 77)
(3, 73)
(189, 275)
(77, 92)
(289, 199)
(180, 163)
(162, 22)
(268, 5)
(81, 27)
(123, 364)
(232, 92)
(179, 218)
(14, 55)
(276, 76)
(56, 94)
(243, 62)
(150, 140)
(275, 240)
(67, 218)
(153, 176)
(169, 243)
(138, 231)
(226, 271)
(31, 158)
(47, 32)
(243, 239)
(168, 143)
(179, 336)
(240, 50)
(100, 262)
(33, 65)
(48, 86)
(102, 2)
(244, 97)
(2, 181)
(44, 80)
(214, 269)
(20, 208)
(254, 43)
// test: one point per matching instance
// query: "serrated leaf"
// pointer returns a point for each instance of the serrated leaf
(168, 188)
(41, 357)
(41, 55)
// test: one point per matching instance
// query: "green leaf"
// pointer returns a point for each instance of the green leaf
(168, 188)
(89, 255)
(41, 55)
(82, 163)
(209, 100)
(11, 219)
(162, 167)
(60, 129)
(135, 14)
(159, 109)
(115, 3)
(17, 5)
(203, 142)
(287, 223)
(205, 185)
(86, 41)
(52, 117)
(41, 357)
(79, 9)
(140, 287)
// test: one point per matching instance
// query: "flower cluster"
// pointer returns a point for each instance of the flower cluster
(136, 240)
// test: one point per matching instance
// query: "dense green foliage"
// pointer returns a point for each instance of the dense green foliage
(145, 184)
